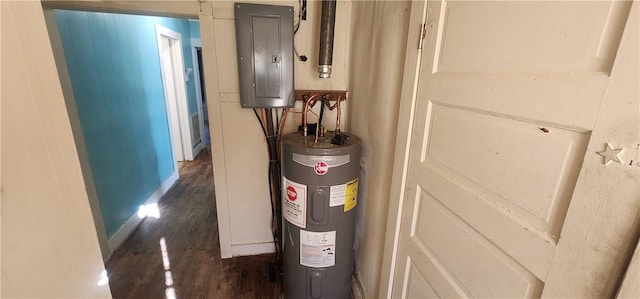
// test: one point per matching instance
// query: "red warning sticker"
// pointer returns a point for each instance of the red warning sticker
(291, 193)
(294, 202)
(321, 168)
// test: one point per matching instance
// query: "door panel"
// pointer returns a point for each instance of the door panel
(549, 156)
(419, 286)
(478, 266)
(507, 96)
(528, 37)
(502, 56)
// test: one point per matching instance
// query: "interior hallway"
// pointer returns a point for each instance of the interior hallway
(194, 269)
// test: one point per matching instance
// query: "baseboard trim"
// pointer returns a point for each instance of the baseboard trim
(252, 249)
(128, 227)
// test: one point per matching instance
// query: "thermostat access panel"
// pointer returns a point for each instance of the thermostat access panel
(264, 38)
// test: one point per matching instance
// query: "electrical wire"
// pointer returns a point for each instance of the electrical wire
(264, 130)
(317, 132)
(283, 119)
(263, 118)
(273, 170)
(317, 126)
(322, 104)
(273, 207)
(300, 12)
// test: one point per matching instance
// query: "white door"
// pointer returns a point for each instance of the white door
(175, 90)
(506, 195)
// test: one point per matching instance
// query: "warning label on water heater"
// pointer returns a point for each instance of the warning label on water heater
(317, 249)
(345, 194)
(351, 195)
(294, 202)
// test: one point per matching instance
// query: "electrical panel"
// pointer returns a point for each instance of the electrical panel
(264, 40)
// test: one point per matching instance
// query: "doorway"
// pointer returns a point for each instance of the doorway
(173, 81)
(201, 94)
(128, 95)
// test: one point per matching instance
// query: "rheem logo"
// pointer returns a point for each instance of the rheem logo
(321, 168)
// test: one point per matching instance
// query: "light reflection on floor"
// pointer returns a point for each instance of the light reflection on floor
(149, 210)
(169, 292)
(104, 279)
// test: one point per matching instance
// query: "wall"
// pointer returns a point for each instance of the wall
(194, 28)
(114, 69)
(379, 38)
(243, 199)
(49, 245)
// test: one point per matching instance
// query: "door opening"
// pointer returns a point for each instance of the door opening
(201, 95)
(173, 81)
(128, 99)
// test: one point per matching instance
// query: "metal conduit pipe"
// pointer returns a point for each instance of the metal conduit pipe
(327, 29)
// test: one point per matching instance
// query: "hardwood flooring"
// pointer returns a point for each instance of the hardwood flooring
(187, 227)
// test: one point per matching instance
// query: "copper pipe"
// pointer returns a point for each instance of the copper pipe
(331, 107)
(305, 108)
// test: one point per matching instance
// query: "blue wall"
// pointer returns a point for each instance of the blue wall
(115, 74)
(194, 29)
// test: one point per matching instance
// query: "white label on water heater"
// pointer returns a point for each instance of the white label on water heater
(337, 195)
(294, 202)
(345, 194)
(317, 249)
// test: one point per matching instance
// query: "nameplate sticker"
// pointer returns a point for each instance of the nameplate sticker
(317, 249)
(328, 161)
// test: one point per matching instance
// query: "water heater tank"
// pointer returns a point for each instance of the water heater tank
(320, 194)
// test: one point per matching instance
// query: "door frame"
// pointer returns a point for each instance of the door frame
(408, 99)
(176, 102)
(76, 129)
(197, 43)
(408, 96)
(203, 11)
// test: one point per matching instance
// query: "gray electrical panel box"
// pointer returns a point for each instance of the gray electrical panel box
(264, 39)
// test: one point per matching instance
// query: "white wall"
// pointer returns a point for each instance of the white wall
(240, 143)
(74, 118)
(49, 243)
(378, 45)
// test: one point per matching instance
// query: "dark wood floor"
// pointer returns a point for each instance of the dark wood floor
(194, 269)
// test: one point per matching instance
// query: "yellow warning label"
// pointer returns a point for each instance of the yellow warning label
(351, 195)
